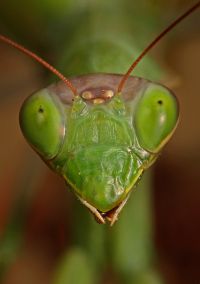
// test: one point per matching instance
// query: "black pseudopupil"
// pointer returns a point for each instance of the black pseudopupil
(41, 110)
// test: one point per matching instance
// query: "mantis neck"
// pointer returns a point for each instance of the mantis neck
(106, 40)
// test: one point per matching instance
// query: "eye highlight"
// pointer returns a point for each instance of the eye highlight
(156, 117)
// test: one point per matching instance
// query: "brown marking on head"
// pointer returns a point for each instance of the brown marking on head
(98, 86)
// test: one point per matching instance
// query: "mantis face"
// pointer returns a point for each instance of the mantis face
(101, 141)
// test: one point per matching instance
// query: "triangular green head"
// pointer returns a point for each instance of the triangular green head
(100, 141)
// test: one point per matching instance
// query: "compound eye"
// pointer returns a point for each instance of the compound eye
(156, 117)
(42, 123)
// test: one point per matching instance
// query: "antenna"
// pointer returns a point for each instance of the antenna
(154, 42)
(40, 60)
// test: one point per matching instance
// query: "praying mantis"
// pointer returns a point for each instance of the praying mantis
(100, 132)
(96, 135)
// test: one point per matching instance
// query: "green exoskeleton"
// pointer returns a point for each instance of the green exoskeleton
(102, 132)
(100, 141)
